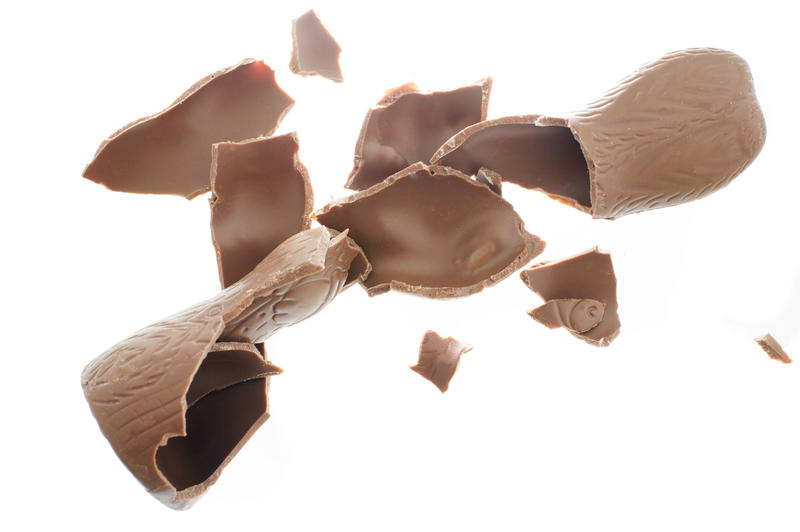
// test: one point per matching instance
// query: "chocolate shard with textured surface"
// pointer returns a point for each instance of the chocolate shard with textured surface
(408, 125)
(152, 396)
(314, 50)
(677, 129)
(439, 358)
(589, 275)
(170, 151)
(772, 348)
(433, 231)
(261, 196)
(578, 315)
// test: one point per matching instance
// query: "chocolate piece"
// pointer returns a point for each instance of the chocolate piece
(491, 179)
(314, 50)
(143, 390)
(589, 275)
(433, 231)
(578, 315)
(771, 346)
(438, 358)
(678, 129)
(261, 196)
(408, 125)
(170, 151)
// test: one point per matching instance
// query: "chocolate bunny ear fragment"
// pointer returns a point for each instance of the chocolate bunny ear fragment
(157, 393)
(676, 130)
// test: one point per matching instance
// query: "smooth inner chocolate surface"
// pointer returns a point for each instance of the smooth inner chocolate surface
(314, 50)
(262, 196)
(170, 152)
(434, 232)
(546, 158)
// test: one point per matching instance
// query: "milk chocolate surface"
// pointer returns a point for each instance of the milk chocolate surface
(314, 50)
(772, 348)
(407, 126)
(170, 151)
(261, 196)
(433, 231)
(676, 130)
(578, 315)
(491, 179)
(589, 275)
(439, 358)
(158, 405)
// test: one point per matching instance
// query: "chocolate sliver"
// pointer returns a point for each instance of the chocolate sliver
(589, 275)
(170, 151)
(407, 126)
(227, 401)
(519, 150)
(491, 179)
(771, 346)
(137, 389)
(261, 196)
(578, 315)
(439, 358)
(314, 50)
(433, 231)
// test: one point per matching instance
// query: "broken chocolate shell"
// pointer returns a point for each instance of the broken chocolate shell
(261, 196)
(589, 275)
(170, 152)
(314, 50)
(439, 358)
(676, 130)
(578, 315)
(772, 348)
(408, 125)
(144, 390)
(433, 231)
(491, 179)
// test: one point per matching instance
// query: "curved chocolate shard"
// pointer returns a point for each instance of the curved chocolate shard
(676, 130)
(408, 125)
(439, 358)
(141, 390)
(577, 315)
(261, 196)
(170, 151)
(314, 50)
(589, 275)
(433, 231)
(772, 348)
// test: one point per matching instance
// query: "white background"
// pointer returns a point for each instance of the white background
(683, 423)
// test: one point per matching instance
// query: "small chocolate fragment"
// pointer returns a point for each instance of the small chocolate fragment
(433, 231)
(170, 151)
(589, 275)
(771, 346)
(314, 50)
(491, 179)
(408, 125)
(261, 196)
(157, 394)
(678, 129)
(578, 315)
(438, 358)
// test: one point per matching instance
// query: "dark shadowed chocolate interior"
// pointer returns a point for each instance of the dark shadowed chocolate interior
(546, 158)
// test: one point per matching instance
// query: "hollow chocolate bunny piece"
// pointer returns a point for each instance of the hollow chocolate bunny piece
(156, 393)
(439, 358)
(676, 130)
(314, 50)
(170, 151)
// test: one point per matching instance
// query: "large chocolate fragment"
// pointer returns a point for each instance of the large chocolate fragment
(439, 358)
(261, 196)
(433, 231)
(170, 151)
(407, 126)
(578, 315)
(588, 276)
(772, 348)
(676, 130)
(314, 50)
(144, 390)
